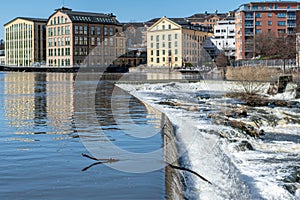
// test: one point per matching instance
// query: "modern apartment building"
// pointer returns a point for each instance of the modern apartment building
(174, 43)
(25, 41)
(224, 37)
(277, 17)
(83, 38)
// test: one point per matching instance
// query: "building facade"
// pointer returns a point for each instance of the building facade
(172, 44)
(224, 37)
(276, 17)
(25, 41)
(206, 19)
(83, 39)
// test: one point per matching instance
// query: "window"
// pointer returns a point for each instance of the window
(176, 51)
(170, 26)
(98, 30)
(258, 15)
(76, 40)
(76, 29)
(105, 31)
(93, 42)
(281, 15)
(270, 23)
(151, 37)
(157, 45)
(93, 31)
(67, 50)
(68, 41)
(58, 31)
(218, 31)
(164, 52)
(281, 23)
(276, 6)
(67, 30)
(98, 42)
(157, 60)
(176, 36)
(111, 41)
(151, 52)
(157, 38)
(288, 7)
(269, 14)
(169, 37)
(157, 52)
(176, 44)
(163, 27)
(170, 45)
(62, 30)
(176, 59)
(163, 37)
(85, 30)
(258, 23)
(111, 31)
(80, 30)
(281, 31)
(258, 31)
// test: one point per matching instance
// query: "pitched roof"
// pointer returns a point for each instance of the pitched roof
(29, 19)
(88, 17)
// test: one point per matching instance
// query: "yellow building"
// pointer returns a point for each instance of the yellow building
(25, 41)
(173, 43)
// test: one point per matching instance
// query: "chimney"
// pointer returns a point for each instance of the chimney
(216, 11)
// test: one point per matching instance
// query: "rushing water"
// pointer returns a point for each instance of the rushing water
(41, 151)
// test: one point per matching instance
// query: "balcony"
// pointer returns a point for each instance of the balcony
(249, 34)
(291, 25)
(249, 25)
(291, 17)
(249, 17)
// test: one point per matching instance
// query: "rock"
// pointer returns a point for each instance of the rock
(244, 146)
(291, 188)
(193, 108)
(169, 103)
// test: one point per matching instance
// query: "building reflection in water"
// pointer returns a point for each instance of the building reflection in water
(39, 103)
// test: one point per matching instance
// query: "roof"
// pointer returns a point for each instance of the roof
(42, 20)
(207, 15)
(187, 25)
(88, 17)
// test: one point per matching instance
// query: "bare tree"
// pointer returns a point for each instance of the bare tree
(265, 45)
(222, 62)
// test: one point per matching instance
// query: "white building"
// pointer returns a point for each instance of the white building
(224, 37)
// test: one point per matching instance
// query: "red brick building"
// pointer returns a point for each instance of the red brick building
(277, 17)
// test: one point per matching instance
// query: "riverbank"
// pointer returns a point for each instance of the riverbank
(238, 165)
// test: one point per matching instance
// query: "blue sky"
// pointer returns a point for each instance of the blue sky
(126, 10)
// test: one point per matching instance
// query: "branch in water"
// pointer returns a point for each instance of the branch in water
(110, 160)
(191, 171)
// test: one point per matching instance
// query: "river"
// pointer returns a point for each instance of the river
(45, 128)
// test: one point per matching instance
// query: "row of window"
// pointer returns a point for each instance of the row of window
(224, 31)
(53, 42)
(262, 7)
(279, 23)
(59, 20)
(59, 62)
(163, 52)
(164, 59)
(59, 52)
(279, 15)
(83, 30)
(164, 27)
(269, 30)
(58, 31)
(164, 37)
(164, 45)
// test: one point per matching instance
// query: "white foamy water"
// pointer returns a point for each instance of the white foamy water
(235, 174)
